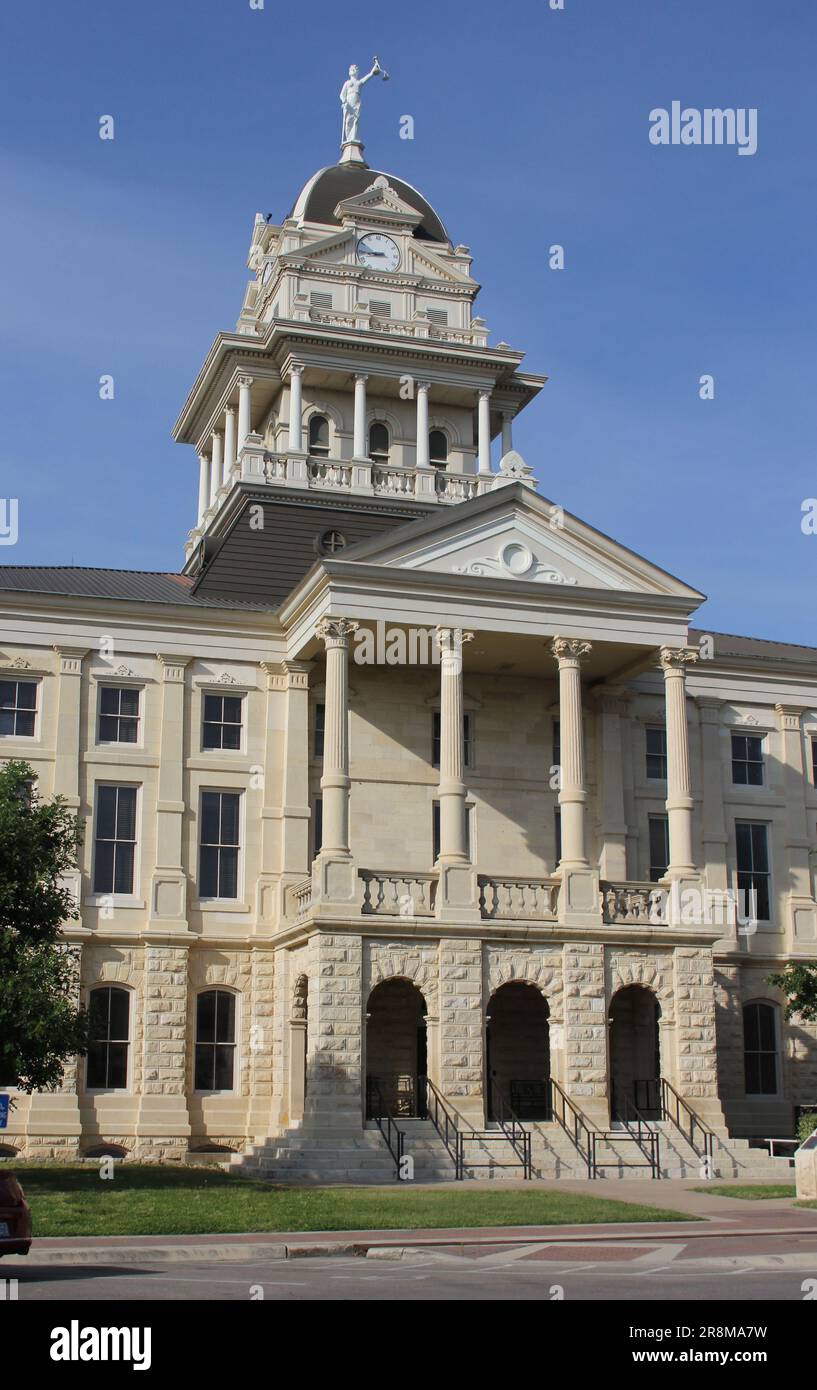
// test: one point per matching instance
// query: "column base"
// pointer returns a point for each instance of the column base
(362, 475)
(426, 482)
(579, 896)
(334, 883)
(457, 892)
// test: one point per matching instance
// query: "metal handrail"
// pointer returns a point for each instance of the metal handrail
(447, 1126)
(670, 1095)
(651, 1148)
(392, 1133)
(578, 1128)
(517, 1136)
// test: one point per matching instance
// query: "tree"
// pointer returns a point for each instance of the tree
(41, 1025)
(798, 982)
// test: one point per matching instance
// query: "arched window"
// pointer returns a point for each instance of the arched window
(215, 1040)
(109, 1020)
(379, 442)
(438, 446)
(760, 1049)
(319, 436)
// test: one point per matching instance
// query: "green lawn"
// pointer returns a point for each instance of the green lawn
(751, 1192)
(142, 1199)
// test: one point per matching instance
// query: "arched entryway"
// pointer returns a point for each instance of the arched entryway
(517, 1051)
(635, 1052)
(396, 1055)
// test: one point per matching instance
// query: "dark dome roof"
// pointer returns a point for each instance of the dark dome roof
(320, 196)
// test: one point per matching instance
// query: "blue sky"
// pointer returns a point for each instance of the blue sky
(531, 128)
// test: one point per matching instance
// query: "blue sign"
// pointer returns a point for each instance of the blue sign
(4, 1111)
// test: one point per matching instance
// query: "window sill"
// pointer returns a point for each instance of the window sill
(219, 905)
(113, 900)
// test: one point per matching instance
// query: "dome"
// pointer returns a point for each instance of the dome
(320, 196)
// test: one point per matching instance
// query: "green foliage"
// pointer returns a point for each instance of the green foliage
(41, 1026)
(798, 982)
(806, 1125)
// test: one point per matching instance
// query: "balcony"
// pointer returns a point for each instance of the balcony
(518, 899)
(631, 904)
(347, 476)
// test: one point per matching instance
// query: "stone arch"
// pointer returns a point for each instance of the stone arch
(300, 999)
(378, 414)
(650, 974)
(532, 969)
(396, 1048)
(336, 424)
(404, 963)
(441, 422)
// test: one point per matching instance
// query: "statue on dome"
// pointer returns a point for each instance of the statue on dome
(350, 101)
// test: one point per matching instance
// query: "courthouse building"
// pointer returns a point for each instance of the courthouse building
(411, 795)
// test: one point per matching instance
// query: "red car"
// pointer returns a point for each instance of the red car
(15, 1217)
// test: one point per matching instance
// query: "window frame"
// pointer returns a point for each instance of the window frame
(319, 730)
(439, 462)
(210, 900)
(763, 1052)
(318, 451)
(659, 757)
(12, 678)
(119, 686)
(109, 987)
(234, 1088)
(99, 894)
(746, 762)
(657, 818)
(754, 873)
(380, 457)
(468, 739)
(223, 694)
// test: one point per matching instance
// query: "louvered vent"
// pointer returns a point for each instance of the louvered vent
(438, 316)
(381, 308)
(319, 300)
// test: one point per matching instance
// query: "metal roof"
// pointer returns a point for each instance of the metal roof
(140, 586)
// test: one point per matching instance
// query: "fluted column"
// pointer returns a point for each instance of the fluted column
(573, 792)
(229, 443)
(423, 460)
(359, 449)
(335, 782)
(244, 409)
(215, 465)
(296, 409)
(452, 791)
(484, 433)
(612, 705)
(204, 486)
(674, 661)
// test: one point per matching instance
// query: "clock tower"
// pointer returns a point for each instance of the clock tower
(357, 391)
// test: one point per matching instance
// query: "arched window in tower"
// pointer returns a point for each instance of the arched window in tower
(379, 442)
(438, 447)
(319, 437)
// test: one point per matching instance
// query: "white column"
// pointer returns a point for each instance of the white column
(674, 661)
(229, 443)
(507, 432)
(335, 782)
(216, 453)
(484, 433)
(359, 449)
(244, 409)
(573, 791)
(423, 460)
(296, 409)
(204, 486)
(452, 790)
(613, 821)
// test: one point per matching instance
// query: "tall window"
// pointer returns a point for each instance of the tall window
(379, 442)
(215, 1040)
(657, 753)
(317, 826)
(18, 708)
(659, 847)
(557, 829)
(747, 760)
(468, 739)
(114, 839)
(221, 727)
(319, 436)
(118, 714)
(218, 852)
(438, 446)
(760, 1049)
(556, 747)
(109, 1027)
(320, 729)
(814, 760)
(752, 845)
(435, 830)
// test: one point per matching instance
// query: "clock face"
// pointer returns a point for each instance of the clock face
(378, 252)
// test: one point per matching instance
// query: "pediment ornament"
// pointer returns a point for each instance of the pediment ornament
(515, 561)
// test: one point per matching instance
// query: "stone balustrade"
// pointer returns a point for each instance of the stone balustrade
(518, 899)
(630, 903)
(329, 473)
(301, 895)
(397, 894)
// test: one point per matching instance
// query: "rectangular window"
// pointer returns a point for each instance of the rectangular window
(814, 761)
(109, 1023)
(320, 729)
(747, 760)
(317, 826)
(18, 708)
(118, 714)
(219, 845)
(657, 754)
(215, 1041)
(752, 847)
(435, 829)
(659, 846)
(222, 721)
(468, 739)
(557, 826)
(556, 749)
(114, 839)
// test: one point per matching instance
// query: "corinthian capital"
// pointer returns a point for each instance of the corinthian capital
(335, 632)
(570, 648)
(451, 640)
(677, 658)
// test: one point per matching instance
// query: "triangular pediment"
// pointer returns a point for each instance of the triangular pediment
(513, 534)
(379, 199)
